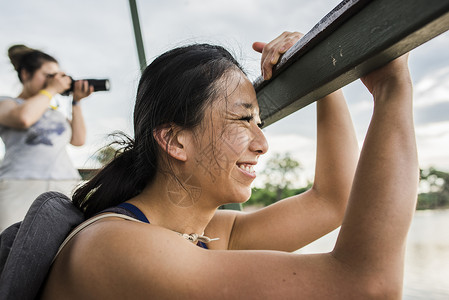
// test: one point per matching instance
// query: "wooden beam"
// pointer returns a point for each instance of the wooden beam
(355, 38)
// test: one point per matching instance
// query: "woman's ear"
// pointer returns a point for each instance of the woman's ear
(172, 140)
(24, 75)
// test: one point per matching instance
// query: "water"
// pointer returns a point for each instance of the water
(427, 257)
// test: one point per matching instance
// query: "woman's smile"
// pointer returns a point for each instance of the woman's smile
(247, 169)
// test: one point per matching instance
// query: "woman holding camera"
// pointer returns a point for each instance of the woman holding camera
(35, 133)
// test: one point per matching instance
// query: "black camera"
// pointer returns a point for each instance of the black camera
(98, 84)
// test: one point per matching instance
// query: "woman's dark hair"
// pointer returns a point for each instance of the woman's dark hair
(30, 60)
(174, 89)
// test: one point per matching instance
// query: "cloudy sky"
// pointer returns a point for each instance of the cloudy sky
(94, 39)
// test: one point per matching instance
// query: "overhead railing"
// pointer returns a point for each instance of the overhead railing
(355, 38)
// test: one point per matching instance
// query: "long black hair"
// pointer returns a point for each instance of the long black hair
(174, 89)
(30, 60)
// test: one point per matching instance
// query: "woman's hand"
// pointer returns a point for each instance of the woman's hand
(272, 51)
(393, 76)
(82, 90)
(58, 83)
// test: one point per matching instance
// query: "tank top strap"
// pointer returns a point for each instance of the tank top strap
(135, 211)
(131, 210)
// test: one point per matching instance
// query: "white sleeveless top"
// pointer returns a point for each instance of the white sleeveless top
(38, 152)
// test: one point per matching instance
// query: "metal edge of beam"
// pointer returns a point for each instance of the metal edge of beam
(370, 35)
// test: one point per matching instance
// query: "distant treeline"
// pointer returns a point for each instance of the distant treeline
(434, 186)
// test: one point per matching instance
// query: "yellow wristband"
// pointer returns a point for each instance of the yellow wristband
(46, 93)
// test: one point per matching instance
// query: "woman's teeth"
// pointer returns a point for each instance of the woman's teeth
(247, 168)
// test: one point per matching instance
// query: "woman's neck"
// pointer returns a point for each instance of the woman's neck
(167, 204)
(25, 94)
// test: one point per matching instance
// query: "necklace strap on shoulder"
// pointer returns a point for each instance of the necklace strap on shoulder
(194, 238)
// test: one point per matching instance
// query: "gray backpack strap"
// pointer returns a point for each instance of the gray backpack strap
(27, 248)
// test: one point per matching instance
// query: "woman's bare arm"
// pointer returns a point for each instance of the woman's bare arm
(25, 115)
(121, 259)
(384, 194)
(81, 90)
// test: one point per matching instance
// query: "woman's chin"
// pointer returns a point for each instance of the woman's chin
(240, 197)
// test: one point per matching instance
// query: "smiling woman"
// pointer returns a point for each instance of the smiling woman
(234, 126)
(197, 138)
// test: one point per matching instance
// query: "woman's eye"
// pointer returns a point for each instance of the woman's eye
(247, 118)
(251, 118)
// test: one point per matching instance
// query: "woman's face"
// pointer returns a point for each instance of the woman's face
(228, 142)
(33, 84)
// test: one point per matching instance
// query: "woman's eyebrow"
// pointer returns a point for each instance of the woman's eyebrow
(50, 74)
(246, 105)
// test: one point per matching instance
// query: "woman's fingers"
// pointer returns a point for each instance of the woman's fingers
(82, 89)
(272, 51)
(258, 46)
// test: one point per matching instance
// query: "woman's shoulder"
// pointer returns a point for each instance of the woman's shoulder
(114, 233)
(108, 250)
(8, 98)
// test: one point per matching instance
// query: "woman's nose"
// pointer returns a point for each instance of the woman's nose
(258, 143)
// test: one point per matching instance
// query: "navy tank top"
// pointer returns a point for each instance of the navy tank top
(132, 211)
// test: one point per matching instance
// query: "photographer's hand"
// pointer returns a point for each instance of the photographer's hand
(81, 90)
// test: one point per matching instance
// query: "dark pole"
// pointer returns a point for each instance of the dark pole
(138, 35)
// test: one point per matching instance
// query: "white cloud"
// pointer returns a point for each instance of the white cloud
(432, 89)
(433, 145)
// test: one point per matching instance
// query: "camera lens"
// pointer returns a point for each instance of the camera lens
(98, 84)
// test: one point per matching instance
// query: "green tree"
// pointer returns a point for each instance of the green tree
(261, 197)
(103, 156)
(280, 173)
(106, 154)
(437, 183)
